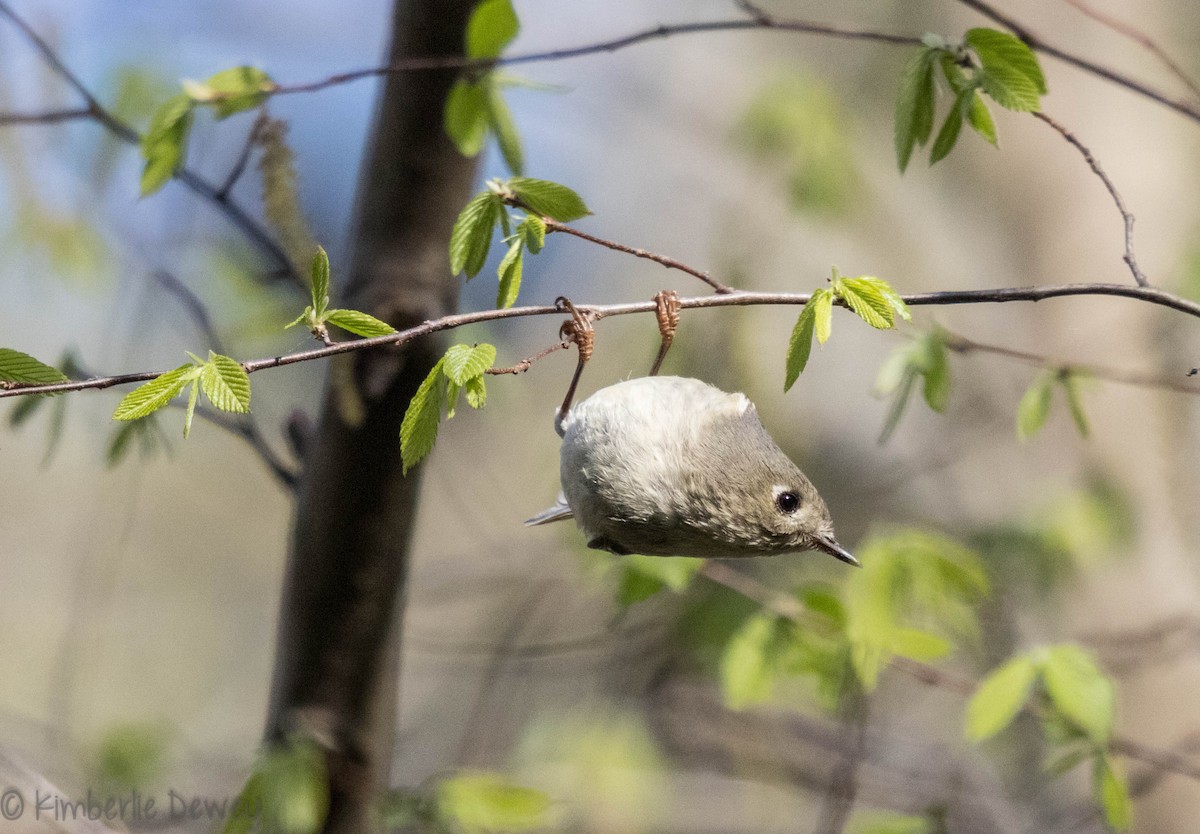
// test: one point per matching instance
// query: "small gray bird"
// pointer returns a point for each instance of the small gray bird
(669, 466)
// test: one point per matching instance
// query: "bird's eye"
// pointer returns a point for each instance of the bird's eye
(787, 502)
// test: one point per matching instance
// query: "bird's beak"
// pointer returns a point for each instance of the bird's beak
(828, 544)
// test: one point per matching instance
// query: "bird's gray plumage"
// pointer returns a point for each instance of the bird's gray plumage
(671, 466)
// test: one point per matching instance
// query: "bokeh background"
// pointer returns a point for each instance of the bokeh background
(139, 600)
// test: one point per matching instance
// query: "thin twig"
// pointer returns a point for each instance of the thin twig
(1139, 37)
(239, 166)
(670, 263)
(193, 305)
(961, 344)
(1187, 108)
(459, 62)
(1150, 295)
(524, 365)
(1126, 215)
(247, 225)
(790, 608)
(248, 431)
(48, 117)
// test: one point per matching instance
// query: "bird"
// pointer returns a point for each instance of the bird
(673, 466)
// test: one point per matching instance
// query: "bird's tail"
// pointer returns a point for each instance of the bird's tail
(558, 512)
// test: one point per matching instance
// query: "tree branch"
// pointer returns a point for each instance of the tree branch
(1126, 216)
(598, 311)
(655, 33)
(961, 344)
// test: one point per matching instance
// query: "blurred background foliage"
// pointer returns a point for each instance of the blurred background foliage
(545, 686)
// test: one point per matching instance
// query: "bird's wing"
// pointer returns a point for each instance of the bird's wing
(558, 512)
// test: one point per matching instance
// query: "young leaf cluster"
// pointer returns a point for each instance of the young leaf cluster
(460, 370)
(1034, 407)
(915, 593)
(767, 649)
(872, 299)
(471, 237)
(317, 316)
(1077, 722)
(988, 62)
(224, 381)
(475, 106)
(164, 145)
(925, 359)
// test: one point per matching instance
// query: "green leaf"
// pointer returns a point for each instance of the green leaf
(148, 398)
(800, 345)
(471, 236)
(320, 283)
(862, 295)
(914, 106)
(193, 396)
(821, 600)
(822, 304)
(935, 368)
(549, 199)
(1112, 794)
(492, 25)
(165, 142)
(466, 116)
(1011, 74)
(23, 368)
(226, 383)
(748, 663)
(980, 118)
(476, 389)
(360, 324)
(483, 803)
(464, 362)
(919, 645)
(1071, 384)
(1079, 690)
(1034, 406)
(510, 275)
(899, 404)
(948, 135)
(288, 792)
(307, 317)
(999, 698)
(419, 430)
(232, 91)
(635, 586)
(644, 576)
(533, 231)
(500, 119)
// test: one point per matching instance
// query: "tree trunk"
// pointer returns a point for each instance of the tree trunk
(337, 666)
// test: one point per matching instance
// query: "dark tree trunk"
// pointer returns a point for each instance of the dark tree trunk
(338, 643)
